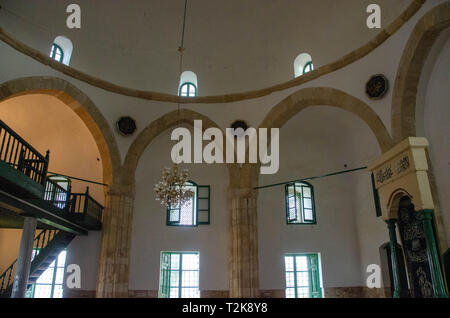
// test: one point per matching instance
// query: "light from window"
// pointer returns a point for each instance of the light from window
(61, 50)
(195, 211)
(188, 86)
(302, 276)
(303, 64)
(57, 53)
(188, 90)
(308, 67)
(179, 277)
(50, 283)
(300, 207)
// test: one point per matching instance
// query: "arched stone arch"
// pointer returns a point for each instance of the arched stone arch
(172, 119)
(427, 30)
(393, 203)
(82, 105)
(326, 96)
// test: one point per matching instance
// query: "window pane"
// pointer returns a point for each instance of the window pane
(202, 204)
(190, 293)
(46, 277)
(58, 291)
(191, 90)
(290, 279)
(203, 192)
(302, 279)
(307, 192)
(59, 275)
(174, 278)
(307, 203)
(175, 261)
(301, 263)
(303, 292)
(289, 263)
(190, 261)
(62, 259)
(174, 292)
(189, 279)
(42, 291)
(309, 215)
(290, 292)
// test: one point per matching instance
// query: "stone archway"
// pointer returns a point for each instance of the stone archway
(88, 112)
(169, 120)
(427, 30)
(326, 96)
(403, 111)
(82, 105)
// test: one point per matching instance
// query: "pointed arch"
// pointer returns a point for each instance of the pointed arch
(426, 31)
(153, 130)
(326, 96)
(82, 105)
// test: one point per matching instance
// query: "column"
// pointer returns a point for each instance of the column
(394, 261)
(243, 240)
(433, 256)
(24, 260)
(114, 261)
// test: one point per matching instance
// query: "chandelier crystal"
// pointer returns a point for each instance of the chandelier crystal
(171, 190)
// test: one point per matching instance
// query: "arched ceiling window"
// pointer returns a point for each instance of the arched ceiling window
(303, 64)
(61, 50)
(188, 84)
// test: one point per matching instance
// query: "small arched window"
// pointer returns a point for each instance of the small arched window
(303, 64)
(195, 211)
(61, 50)
(57, 53)
(308, 67)
(300, 207)
(188, 84)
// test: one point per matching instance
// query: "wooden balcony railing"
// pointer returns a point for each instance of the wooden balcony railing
(20, 155)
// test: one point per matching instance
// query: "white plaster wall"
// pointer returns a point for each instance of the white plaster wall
(151, 235)
(312, 143)
(436, 123)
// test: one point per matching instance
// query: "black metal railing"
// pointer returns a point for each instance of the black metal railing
(20, 155)
(40, 242)
(84, 204)
(56, 194)
(76, 204)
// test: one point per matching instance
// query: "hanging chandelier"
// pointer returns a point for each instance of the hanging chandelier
(171, 190)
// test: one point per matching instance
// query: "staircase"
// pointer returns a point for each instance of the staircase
(47, 246)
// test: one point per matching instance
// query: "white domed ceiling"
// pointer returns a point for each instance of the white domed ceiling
(232, 45)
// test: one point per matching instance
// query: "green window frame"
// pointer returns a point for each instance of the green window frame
(300, 206)
(179, 275)
(302, 272)
(201, 206)
(308, 67)
(55, 279)
(188, 89)
(57, 53)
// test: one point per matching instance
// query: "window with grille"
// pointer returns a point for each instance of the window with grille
(188, 90)
(308, 67)
(179, 277)
(50, 283)
(300, 207)
(302, 276)
(57, 53)
(195, 212)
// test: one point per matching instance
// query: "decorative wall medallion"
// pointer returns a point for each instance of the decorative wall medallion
(377, 86)
(239, 124)
(126, 125)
